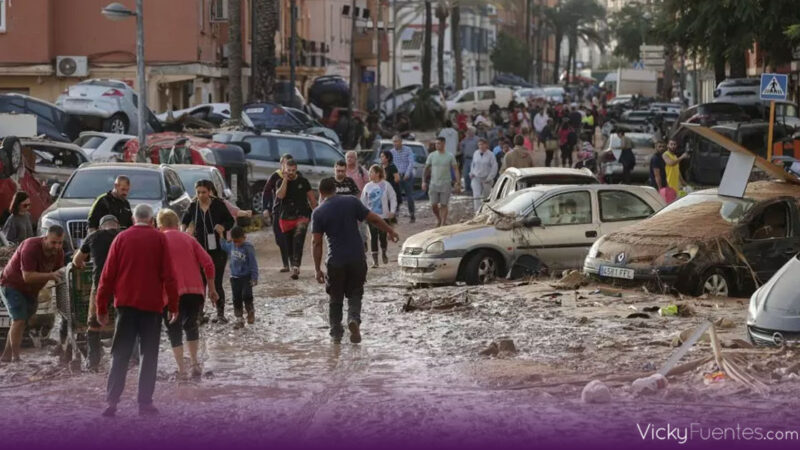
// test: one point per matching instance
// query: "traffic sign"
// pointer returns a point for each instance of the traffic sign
(774, 86)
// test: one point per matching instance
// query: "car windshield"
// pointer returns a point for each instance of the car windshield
(637, 140)
(271, 117)
(731, 209)
(553, 91)
(191, 176)
(516, 204)
(145, 185)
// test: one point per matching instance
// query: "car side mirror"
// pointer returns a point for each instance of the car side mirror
(531, 222)
(174, 193)
(245, 146)
(55, 190)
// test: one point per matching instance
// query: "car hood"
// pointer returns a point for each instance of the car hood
(646, 241)
(459, 234)
(78, 208)
(780, 294)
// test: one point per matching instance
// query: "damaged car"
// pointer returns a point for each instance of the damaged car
(515, 179)
(706, 243)
(773, 317)
(530, 231)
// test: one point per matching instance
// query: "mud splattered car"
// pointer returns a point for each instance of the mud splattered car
(706, 243)
(544, 227)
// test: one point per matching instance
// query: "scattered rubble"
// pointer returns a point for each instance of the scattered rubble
(500, 347)
(596, 392)
(649, 385)
(571, 280)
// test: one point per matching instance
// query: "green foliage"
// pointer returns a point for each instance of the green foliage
(631, 27)
(511, 56)
(424, 116)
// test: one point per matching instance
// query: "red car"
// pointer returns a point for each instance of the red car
(15, 176)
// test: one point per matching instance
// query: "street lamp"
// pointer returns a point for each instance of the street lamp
(117, 12)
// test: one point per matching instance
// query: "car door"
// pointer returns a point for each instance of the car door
(325, 157)
(263, 158)
(568, 230)
(466, 102)
(618, 209)
(771, 237)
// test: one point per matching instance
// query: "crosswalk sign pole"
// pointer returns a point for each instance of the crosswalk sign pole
(769, 133)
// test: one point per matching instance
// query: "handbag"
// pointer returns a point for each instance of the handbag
(551, 145)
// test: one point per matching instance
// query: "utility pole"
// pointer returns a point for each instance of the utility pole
(394, 60)
(293, 48)
(352, 60)
(379, 24)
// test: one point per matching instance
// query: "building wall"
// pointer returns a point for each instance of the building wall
(28, 34)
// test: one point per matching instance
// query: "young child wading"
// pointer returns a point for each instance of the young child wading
(379, 196)
(244, 274)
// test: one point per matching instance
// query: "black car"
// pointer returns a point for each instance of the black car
(51, 121)
(156, 185)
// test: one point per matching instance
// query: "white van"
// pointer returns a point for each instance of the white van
(480, 98)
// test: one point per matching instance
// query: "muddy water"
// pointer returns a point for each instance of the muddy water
(417, 375)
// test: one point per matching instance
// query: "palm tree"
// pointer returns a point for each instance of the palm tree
(455, 38)
(235, 58)
(442, 12)
(265, 25)
(427, 48)
(576, 20)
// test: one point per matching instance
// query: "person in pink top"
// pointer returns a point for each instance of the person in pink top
(355, 170)
(187, 258)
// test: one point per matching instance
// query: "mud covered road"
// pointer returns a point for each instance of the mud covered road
(418, 377)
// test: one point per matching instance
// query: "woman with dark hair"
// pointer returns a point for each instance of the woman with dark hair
(208, 220)
(392, 175)
(18, 226)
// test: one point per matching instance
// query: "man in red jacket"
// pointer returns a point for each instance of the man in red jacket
(137, 273)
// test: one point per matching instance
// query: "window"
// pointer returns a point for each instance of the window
(468, 97)
(620, 205)
(261, 149)
(501, 190)
(2, 16)
(219, 10)
(772, 223)
(297, 148)
(571, 208)
(89, 142)
(325, 155)
(119, 147)
(42, 111)
(486, 95)
(173, 179)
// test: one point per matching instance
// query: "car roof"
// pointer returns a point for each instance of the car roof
(533, 171)
(389, 141)
(193, 167)
(28, 97)
(130, 166)
(25, 141)
(557, 188)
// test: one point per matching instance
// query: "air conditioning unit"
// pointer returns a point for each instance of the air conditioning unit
(72, 66)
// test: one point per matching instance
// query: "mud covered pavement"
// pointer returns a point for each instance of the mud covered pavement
(419, 375)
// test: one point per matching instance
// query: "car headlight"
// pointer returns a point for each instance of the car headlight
(435, 249)
(208, 156)
(48, 222)
(686, 254)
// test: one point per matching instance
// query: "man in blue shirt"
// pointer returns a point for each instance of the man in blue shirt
(337, 217)
(404, 161)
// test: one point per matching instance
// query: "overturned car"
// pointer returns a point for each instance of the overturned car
(706, 243)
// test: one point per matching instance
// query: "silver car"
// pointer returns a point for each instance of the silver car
(420, 156)
(106, 105)
(103, 147)
(539, 228)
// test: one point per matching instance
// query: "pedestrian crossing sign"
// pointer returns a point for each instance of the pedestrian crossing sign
(773, 86)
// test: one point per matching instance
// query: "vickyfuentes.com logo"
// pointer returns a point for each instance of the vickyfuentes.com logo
(697, 432)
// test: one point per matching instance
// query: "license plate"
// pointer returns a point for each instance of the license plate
(616, 272)
(408, 262)
(5, 322)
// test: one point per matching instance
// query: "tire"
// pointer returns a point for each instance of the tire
(256, 197)
(715, 282)
(11, 156)
(481, 267)
(118, 124)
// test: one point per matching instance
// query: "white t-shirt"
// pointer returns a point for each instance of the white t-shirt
(450, 136)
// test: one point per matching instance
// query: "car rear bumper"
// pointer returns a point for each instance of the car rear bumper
(424, 269)
(91, 108)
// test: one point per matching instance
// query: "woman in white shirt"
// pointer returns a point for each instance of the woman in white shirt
(379, 197)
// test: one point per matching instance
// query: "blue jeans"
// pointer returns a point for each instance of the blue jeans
(407, 186)
(18, 305)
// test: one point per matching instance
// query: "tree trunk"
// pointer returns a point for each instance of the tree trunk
(427, 48)
(718, 59)
(455, 37)
(528, 50)
(738, 63)
(557, 59)
(541, 44)
(570, 57)
(441, 14)
(669, 71)
(235, 58)
(264, 64)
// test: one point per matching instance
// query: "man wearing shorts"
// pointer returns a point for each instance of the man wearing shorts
(438, 166)
(36, 261)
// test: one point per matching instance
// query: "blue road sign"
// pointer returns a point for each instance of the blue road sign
(368, 76)
(774, 86)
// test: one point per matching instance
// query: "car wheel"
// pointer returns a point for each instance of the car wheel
(117, 124)
(716, 282)
(257, 195)
(481, 268)
(11, 156)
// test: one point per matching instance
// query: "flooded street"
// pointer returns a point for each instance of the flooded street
(417, 376)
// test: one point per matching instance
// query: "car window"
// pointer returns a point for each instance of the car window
(297, 148)
(119, 147)
(486, 95)
(538, 180)
(42, 111)
(89, 184)
(503, 183)
(730, 209)
(517, 204)
(420, 154)
(570, 208)
(191, 176)
(772, 223)
(219, 183)
(325, 155)
(620, 205)
(262, 149)
(89, 142)
(174, 180)
(468, 97)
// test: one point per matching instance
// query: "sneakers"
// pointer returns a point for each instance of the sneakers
(111, 411)
(295, 273)
(239, 323)
(284, 269)
(148, 410)
(374, 260)
(251, 317)
(385, 258)
(355, 332)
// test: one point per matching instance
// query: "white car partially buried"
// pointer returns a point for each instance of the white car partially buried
(532, 230)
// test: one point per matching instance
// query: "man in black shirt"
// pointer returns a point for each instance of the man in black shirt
(96, 245)
(114, 202)
(344, 184)
(297, 201)
(658, 168)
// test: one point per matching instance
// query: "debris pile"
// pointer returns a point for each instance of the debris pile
(425, 301)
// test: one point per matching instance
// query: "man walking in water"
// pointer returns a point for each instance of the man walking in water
(337, 218)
